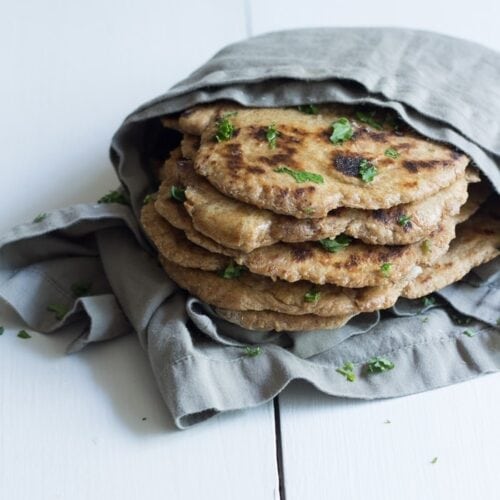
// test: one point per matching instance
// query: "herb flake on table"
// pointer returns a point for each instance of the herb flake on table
(225, 129)
(428, 301)
(252, 350)
(404, 221)
(369, 119)
(80, 289)
(385, 269)
(178, 194)
(312, 296)
(342, 131)
(391, 153)
(308, 109)
(59, 310)
(232, 271)
(347, 371)
(114, 197)
(367, 171)
(379, 365)
(300, 175)
(40, 218)
(336, 244)
(272, 134)
(387, 421)
(434, 460)
(469, 333)
(23, 334)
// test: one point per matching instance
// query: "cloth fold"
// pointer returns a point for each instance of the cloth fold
(89, 268)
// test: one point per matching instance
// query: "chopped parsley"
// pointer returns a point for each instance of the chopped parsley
(336, 244)
(312, 296)
(428, 301)
(434, 460)
(59, 310)
(460, 319)
(369, 119)
(404, 221)
(367, 171)
(379, 365)
(178, 194)
(385, 269)
(252, 350)
(425, 319)
(300, 175)
(469, 333)
(225, 129)
(80, 289)
(114, 197)
(426, 246)
(148, 199)
(347, 371)
(309, 210)
(2, 329)
(232, 271)
(342, 131)
(272, 135)
(308, 109)
(391, 153)
(23, 334)
(40, 217)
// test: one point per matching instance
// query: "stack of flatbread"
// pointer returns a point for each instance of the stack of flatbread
(300, 218)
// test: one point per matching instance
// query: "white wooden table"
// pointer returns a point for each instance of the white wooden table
(92, 425)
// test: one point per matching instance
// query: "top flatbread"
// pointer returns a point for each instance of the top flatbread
(244, 166)
(244, 227)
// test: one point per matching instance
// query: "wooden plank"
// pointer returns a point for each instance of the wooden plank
(73, 426)
(334, 448)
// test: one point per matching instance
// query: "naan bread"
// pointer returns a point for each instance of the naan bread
(477, 242)
(251, 292)
(244, 227)
(270, 320)
(244, 167)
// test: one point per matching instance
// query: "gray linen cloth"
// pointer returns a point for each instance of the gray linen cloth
(94, 263)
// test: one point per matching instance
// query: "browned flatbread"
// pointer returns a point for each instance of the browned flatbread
(244, 167)
(477, 242)
(270, 320)
(243, 227)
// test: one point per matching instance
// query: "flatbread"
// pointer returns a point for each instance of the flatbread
(244, 167)
(243, 227)
(477, 242)
(270, 320)
(257, 293)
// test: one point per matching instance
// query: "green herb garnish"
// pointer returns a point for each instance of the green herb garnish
(379, 365)
(232, 271)
(80, 289)
(147, 199)
(23, 334)
(426, 246)
(391, 153)
(469, 333)
(428, 301)
(308, 109)
(251, 351)
(312, 296)
(434, 460)
(369, 119)
(347, 371)
(114, 197)
(404, 221)
(386, 268)
(336, 244)
(40, 217)
(2, 329)
(425, 319)
(300, 175)
(59, 310)
(309, 210)
(272, 135)
(225, 129)
(342, 131)
(367, 171)
(178, 194)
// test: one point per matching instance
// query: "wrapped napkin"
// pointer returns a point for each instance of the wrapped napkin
(92, 263)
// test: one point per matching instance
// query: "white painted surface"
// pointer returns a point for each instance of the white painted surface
(71, 427)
